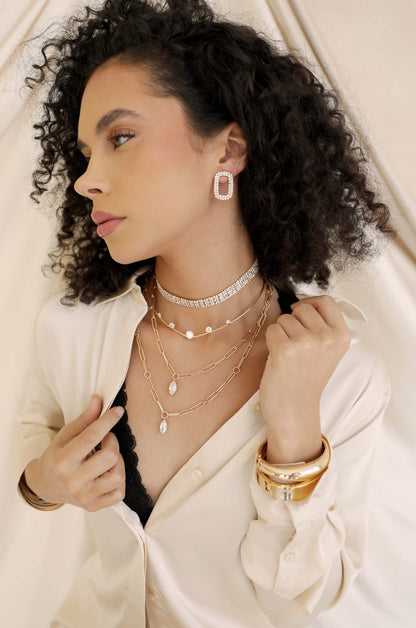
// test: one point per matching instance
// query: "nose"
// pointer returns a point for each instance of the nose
(91, 184)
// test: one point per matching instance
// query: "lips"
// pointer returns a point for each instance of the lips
(100, 217)
(108, 226)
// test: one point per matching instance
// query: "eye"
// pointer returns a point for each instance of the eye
(116, 138)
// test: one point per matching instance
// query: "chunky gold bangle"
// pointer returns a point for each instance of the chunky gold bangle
(286, 492)
(32, 499)
(293, 474)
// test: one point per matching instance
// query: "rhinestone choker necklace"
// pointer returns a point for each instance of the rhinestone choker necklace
(216, 298)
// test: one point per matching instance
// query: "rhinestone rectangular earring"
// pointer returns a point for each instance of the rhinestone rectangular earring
(223, 197)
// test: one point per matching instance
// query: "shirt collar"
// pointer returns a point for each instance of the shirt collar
(128, 287)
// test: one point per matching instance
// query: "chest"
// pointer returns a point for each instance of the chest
(160, 456)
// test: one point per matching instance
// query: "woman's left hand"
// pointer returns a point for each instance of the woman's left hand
(304, 349)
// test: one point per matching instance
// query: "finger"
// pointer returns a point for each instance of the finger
(78, 425)
(108, 499)
(110, 441)
(82, 444)
(100, 465)
(274, 335)
(113, 479)
(309, 316)
(291, 326)
(327, 308)
(103, 459)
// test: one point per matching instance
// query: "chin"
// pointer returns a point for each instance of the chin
(124, 257)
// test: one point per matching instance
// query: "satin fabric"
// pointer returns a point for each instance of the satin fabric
(216, 550)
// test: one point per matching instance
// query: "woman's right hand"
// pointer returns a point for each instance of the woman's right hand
(67, 473)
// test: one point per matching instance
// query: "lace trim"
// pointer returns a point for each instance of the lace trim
(137, 498)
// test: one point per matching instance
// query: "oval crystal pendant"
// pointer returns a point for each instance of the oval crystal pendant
(173, 387)
(163, 426)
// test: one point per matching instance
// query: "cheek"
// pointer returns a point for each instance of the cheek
(172, 151)
(173, 176)
(163, 180)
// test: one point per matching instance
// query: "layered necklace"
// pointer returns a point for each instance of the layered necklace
(189, 334)
(249, 338)
(173, 386)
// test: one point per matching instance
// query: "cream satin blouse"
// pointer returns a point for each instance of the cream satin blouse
(217, 551)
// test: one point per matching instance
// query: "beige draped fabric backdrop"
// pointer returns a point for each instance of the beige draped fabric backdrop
(366, 50)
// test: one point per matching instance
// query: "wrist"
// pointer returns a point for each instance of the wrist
(28, 494)
(30, 474)
(32, 477)
(294, 450)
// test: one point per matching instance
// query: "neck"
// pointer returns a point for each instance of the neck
(201, 261)
(188, 284)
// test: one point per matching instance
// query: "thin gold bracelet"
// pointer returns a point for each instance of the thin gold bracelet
(293, 474)
(286, 492)
(31, 498)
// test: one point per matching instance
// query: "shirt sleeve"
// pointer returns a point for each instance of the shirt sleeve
(303, 556)
(39, 418)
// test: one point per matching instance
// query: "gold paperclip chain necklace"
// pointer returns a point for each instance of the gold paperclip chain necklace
(173, 386)
(163, 426)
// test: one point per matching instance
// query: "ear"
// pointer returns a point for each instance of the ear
(234, 145)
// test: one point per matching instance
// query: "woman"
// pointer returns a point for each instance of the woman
(204, 175)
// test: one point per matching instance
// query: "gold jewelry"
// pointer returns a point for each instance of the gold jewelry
(173, 386)
(295, 483)
(293, 474)
(216, 298)
(148, 376)
(286, 492)
(190, 335)
(32, 499)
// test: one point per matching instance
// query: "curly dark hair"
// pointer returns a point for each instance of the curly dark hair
(304, 194)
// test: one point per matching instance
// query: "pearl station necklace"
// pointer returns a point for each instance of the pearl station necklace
(208, 330)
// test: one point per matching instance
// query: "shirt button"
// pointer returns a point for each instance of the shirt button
(256, 407)
(197, 474)
(290, 556)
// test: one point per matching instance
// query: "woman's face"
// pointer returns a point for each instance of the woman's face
(142, 166)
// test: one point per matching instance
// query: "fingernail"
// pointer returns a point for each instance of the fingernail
(119, 410)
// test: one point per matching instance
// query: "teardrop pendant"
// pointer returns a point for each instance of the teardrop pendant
(163, 426)
(173, 387)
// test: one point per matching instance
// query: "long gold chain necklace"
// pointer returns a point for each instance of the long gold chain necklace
(164, 414)
(173, 386)
(208, 330)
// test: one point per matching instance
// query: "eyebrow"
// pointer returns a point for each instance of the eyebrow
(106, 120)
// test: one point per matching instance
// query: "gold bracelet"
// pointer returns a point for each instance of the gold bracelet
(31, 498)
(286, 492)
(293, 474)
